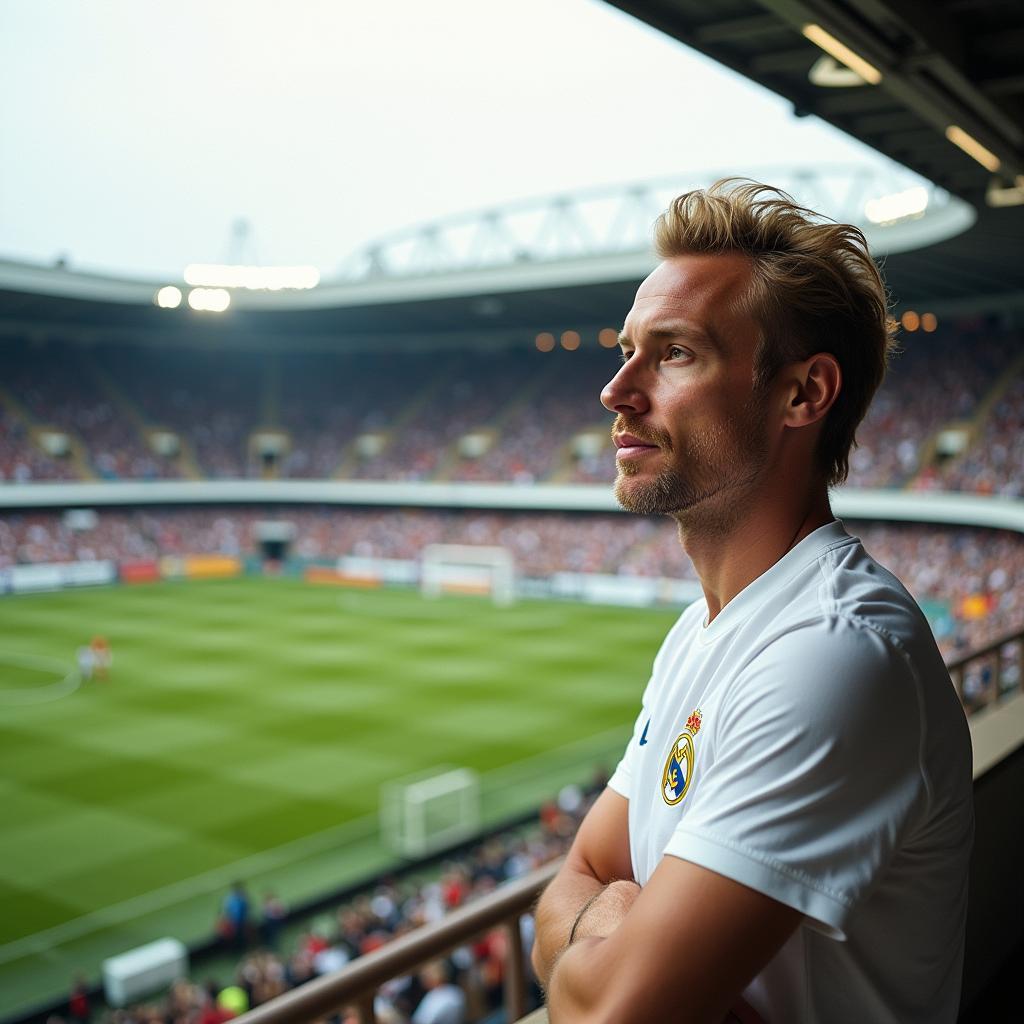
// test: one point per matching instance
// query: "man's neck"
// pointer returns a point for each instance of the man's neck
(728, 559)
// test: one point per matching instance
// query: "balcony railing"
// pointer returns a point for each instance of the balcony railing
(990, 673)
(981, 678)
(356, 985)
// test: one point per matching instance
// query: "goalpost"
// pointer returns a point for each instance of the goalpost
(468, 569)
(426, 812)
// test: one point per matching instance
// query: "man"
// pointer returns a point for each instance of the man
(787, 835)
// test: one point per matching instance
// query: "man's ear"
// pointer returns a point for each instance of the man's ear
(812, 387)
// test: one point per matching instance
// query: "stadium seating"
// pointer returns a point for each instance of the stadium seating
(511, 415)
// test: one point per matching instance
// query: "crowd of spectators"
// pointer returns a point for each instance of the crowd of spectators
(994, 463)
(60, 390)
(530, 406)
(463, 988)
(971, 580)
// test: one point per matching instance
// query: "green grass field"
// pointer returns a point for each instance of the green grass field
(245, 732)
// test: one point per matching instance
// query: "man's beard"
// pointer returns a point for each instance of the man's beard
(720, 460)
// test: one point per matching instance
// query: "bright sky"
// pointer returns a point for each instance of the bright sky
(135, 133)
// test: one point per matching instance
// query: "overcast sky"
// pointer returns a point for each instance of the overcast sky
(135, 132)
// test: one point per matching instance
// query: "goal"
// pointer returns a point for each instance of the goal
(429, 811)
(468, 569)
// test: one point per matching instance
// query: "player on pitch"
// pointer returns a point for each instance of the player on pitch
(787, 835)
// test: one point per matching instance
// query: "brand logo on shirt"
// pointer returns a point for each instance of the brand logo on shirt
(643, 738)
(675, 780)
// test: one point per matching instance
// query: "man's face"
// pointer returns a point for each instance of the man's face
(691, 433)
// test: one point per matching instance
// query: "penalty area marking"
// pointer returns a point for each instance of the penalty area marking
(275, 858)
(68, 681)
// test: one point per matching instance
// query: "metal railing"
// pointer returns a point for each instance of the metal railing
(990, 673)
(356, 985)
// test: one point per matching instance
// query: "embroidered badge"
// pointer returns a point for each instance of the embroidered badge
(675, 780)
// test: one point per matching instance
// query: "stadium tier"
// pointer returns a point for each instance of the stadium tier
(513, 415)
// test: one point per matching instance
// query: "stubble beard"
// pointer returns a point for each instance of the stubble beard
(702, 488)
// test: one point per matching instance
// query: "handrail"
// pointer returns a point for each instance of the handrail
(994, 650)
(357, 983)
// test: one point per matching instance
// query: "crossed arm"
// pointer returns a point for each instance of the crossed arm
(682, 948)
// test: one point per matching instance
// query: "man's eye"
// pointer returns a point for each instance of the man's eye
(677, 352)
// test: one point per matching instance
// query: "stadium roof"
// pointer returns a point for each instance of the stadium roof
(942, 63)
(949, 63)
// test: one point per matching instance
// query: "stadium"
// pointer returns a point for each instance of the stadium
(317, 603)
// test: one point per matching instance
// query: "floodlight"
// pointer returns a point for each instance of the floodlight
(973, 148)
(168, 297)
(209, 300)
(227, 275)
(912, 202)
(842, 53)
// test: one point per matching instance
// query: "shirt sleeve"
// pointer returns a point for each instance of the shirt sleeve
(622, 777)
(817, 771)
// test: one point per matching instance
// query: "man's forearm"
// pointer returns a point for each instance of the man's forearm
(564, 898)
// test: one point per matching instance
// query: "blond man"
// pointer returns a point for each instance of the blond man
(787, 835)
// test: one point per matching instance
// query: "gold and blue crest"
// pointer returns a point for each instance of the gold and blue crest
(678, 773)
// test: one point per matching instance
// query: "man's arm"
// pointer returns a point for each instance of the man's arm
(689, 945)
(599, 856)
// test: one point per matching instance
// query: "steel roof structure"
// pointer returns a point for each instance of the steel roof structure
(942, 63)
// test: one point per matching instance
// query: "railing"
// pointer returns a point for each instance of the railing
(990, 673)
(357, 984)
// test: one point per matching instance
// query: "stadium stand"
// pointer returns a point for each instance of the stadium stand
(514, 415)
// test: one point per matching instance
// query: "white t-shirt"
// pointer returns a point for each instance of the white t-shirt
(445, 1004)
(808, 744)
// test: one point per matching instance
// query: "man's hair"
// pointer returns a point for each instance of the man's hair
(815, 288)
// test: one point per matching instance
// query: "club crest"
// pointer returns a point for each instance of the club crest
(675, 780)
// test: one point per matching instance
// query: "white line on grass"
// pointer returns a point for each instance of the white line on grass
(66, 685)
(266, 860)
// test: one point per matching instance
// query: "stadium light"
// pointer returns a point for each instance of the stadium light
(570, 340)
(226, 275)
(608, 337)
(973, 148)
(912, 202)
(209, 300)
(545, 342)
(910, 320)
(842, 53)
(168, 297)
(929, 322)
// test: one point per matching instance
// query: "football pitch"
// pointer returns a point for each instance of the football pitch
(245, 732)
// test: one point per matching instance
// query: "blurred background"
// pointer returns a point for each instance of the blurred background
(318, 620)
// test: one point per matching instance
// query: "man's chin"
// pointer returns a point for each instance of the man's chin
(644, 497)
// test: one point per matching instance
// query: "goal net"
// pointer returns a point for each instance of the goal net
(468, 569)
(430, 811)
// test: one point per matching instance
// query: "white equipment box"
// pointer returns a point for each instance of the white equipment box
(143, 970)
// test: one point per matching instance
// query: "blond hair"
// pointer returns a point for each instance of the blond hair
(814, 288)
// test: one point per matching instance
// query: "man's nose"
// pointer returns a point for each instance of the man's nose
(623, 393)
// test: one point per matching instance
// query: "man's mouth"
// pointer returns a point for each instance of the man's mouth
(629, 446)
